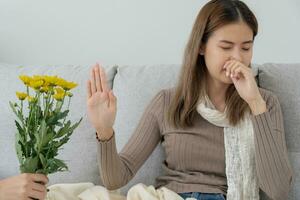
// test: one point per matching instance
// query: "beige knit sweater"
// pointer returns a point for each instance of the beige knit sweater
(195, 156)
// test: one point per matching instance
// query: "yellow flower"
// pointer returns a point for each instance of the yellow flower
(60, 82)
(45, 89)
(70, 85)
(59, 96)
(59, 90)
(59, 93)
(36, 84)
(26, 79)
(31, 99)
(21, 95)
(65, 84)
(38, 78)
(51, 80)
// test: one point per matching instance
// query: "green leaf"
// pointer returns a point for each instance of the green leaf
(41, 136)
(62, 141)
(18, 146)
(43, 160)
(17, 113)
(56, 117)
(20, 129)
(68, 134)
(55, 165)
(76, 125)
(58, 106)
(62, 131)
(30, 165)
(13, 108)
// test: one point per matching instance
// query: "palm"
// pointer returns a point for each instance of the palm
(100, 115)
(101, 103)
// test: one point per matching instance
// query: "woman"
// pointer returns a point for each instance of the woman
(223, 136)
(23, 187)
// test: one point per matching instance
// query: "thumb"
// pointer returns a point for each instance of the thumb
(112, 98)
(234, 79)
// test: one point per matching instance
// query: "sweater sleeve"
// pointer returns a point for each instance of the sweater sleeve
(272, 163)
(117, 169)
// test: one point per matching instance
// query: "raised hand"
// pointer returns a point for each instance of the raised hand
(101, 103)
(244, 82)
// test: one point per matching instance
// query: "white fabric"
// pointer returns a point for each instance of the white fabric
(87, 191)
(239, 152)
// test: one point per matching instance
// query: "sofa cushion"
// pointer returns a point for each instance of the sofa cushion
(80, 152)
(284, 80)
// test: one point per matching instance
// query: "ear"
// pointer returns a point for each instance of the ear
(201, 50)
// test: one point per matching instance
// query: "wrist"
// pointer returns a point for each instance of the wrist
(258, 106)
(104, 133)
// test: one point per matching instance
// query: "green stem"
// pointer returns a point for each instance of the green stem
(47, 104)
(37, 104)
(67, 109)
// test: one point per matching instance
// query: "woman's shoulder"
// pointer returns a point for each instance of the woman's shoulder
(162, 98)
(168, 94)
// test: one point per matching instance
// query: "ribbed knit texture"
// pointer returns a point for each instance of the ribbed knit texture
(195, 156)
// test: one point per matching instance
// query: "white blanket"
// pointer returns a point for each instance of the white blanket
(88, 191)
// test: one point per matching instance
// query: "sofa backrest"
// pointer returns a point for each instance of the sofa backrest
(284, 81)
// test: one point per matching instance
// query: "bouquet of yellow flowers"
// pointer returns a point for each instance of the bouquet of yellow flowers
(43, 127)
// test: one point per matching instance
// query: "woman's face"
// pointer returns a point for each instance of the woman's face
(232, 41)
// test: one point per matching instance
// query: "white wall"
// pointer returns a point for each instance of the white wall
(39, 32)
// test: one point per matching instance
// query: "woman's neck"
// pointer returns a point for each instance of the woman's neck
(216, 92)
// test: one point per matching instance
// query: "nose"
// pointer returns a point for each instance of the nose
(236, 54)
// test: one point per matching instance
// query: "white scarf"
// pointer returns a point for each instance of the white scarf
(239, 152)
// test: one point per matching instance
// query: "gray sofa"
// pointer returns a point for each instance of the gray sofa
(134, 87)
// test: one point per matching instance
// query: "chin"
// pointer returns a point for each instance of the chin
(229, 82)
(226, 81)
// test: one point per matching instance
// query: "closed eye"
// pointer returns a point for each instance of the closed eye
(246, 49)
(227, 48)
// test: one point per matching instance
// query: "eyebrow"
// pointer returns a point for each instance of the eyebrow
(246, 42)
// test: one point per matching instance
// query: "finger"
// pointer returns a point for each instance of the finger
(232, 69)
(103, 79)
(246, 69)
(98, 78)
(40, 178)
(234, 79)
(235, 73)
(89, 89)
(241, 71)
(226, 64)
(36, 194)
(112, 99)
(228, 68)
(92, 78)
(39, 187)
